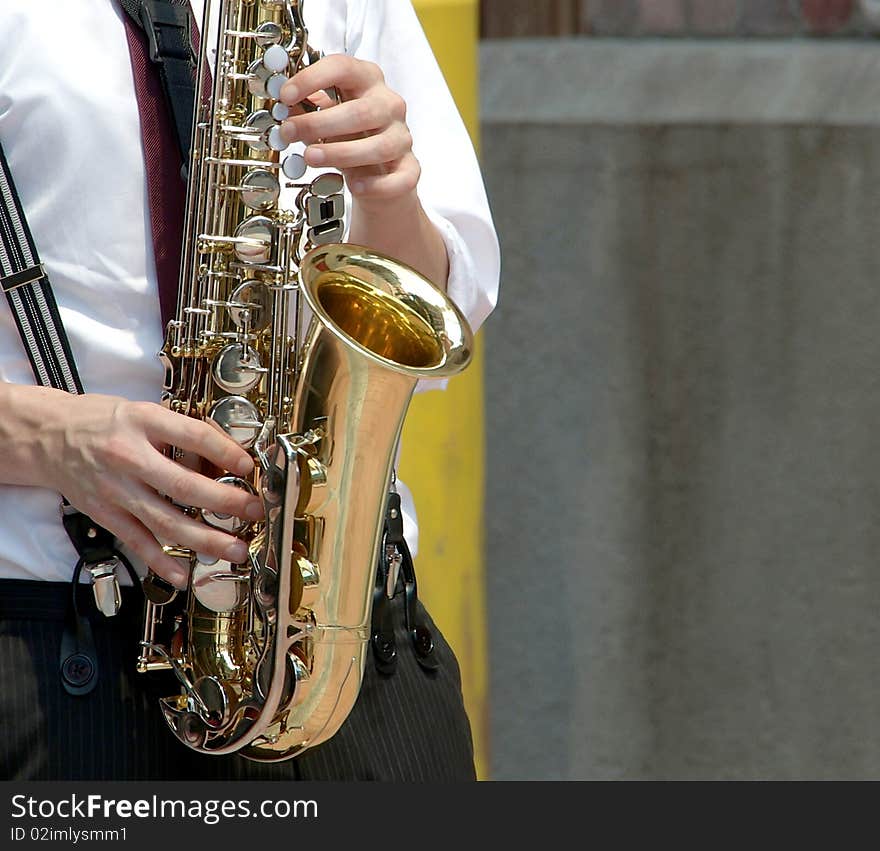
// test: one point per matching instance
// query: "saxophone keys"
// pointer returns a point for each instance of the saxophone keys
(327, 185)
(269, 33)
(259, 189)
(324, 208)
(212, 695)
(226, 522)
(321, 210)
(237, 368)
(257, 77)
(260, 123)
(295, 671)
(294, 166)
(273, 88)
(327, 233)
(254, 240)
(309, 582)
(218, 586)
(274, 139)
(158, 590)
(266, 590)
(187, 726)
(311, 574)
(204, 707)
(251, 298)
(317, 471)
(238, 417)
(324, 213)
(301, 672)
(276, 59)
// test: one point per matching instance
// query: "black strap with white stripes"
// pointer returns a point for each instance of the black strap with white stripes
(29, 294)
(33, 305)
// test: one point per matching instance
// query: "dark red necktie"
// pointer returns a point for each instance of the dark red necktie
(166, 190)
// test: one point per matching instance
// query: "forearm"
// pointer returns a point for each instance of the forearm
(401, 229)
(27, 411)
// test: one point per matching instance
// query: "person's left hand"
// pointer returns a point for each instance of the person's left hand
(365, 136)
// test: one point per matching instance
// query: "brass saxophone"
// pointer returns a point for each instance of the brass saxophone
(269, 654)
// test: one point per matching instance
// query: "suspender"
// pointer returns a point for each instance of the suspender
(26, 285)
(30, 298)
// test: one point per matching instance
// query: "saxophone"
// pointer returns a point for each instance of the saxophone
(305, 350)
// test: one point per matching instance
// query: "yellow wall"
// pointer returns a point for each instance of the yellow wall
(443, 457)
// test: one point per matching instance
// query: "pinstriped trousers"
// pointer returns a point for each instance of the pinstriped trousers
(410, 726)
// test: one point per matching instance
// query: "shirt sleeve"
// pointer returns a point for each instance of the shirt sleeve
(451, 188)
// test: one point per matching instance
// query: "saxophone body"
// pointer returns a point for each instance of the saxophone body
(305, 350)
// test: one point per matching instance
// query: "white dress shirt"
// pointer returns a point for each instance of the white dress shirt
(70, 128)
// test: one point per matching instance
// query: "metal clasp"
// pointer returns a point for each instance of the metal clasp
(393, 561)
(105, 586)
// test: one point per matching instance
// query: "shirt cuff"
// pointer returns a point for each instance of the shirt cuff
(462, 285)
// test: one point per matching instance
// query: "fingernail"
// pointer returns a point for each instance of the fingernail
(245, 468)
(255, 511)
(289, 93)
(237, 552)
(315, 156)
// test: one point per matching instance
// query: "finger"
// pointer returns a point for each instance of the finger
(188, 487)
(365, 115)
(385, 147)
(324, 100)
(352, 76)
(165, 427)
(143, 543)
(169, 524)
(319, 100)
(397, 179)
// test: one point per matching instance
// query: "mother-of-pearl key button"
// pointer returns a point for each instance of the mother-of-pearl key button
(275, 58)
(274, 84)
(294, 166)
(276, 143)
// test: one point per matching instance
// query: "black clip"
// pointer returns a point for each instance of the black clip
(382, 623)
(398, 557)
(382, 630)
(91, 541)
(97, 551)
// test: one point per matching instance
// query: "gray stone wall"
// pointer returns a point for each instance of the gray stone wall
(683, 408)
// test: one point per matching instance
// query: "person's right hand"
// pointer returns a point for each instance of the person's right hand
(105, 455)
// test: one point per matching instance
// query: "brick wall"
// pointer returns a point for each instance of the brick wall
(688, 18)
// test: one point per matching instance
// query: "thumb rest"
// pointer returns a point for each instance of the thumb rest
(270, 653)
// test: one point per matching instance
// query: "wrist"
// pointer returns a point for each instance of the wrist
(26, 454)
(400, 228)
(375, 209)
